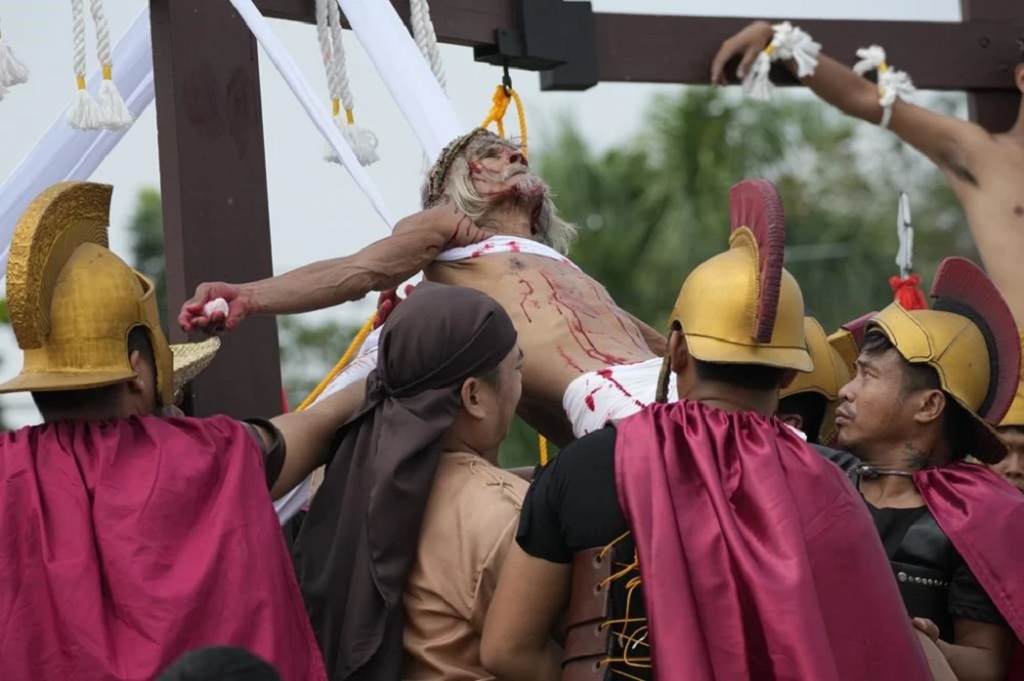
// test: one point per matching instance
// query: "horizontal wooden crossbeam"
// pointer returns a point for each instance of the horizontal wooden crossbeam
(975, 55)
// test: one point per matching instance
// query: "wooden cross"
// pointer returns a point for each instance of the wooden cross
(210, 126)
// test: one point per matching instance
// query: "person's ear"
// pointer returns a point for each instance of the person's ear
(931, 407)
(678, 352)
(137, 385)
(472, 403)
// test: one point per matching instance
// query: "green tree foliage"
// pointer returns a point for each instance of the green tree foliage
(653, 208)
(146, 226)
(308, 352)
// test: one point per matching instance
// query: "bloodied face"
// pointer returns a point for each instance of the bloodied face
(499, 170)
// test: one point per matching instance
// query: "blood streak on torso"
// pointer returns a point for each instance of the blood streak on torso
(567, 323)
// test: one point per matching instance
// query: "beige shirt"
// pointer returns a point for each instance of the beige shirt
(469, 525)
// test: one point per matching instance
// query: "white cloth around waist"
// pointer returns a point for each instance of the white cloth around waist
(609, 395)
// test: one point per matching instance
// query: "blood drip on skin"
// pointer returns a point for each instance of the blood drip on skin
(569, 360)
(526, 295)
(581, 337)
(632, 335)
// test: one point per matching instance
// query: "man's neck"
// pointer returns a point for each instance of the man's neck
(908, 455)
(509, 219)
(733, 399)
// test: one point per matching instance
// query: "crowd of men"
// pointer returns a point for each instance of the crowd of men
(741, 495)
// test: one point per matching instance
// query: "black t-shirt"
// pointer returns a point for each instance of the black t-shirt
(572, 506)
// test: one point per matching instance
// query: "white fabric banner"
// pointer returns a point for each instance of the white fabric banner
(405, 72)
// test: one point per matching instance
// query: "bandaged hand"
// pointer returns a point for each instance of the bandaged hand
(214, 308)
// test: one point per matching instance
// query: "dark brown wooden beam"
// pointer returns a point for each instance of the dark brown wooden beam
(996, 111)
(214, 188)
(678, 49)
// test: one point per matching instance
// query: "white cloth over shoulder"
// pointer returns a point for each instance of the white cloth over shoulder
(609, 395)
(499, 244)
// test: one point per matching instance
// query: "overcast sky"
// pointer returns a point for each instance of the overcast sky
(315, 209)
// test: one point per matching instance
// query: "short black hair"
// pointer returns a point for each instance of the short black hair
(958, 424)
(746, 376)
(220, 663)
(64, 401)
(810, 406)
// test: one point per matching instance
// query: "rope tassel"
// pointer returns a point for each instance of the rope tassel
(12, 70)
(84, 113)
(328, 30)
(789, 42)
(113, 113)
(893, 84)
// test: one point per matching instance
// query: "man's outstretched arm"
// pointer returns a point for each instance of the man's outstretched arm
(382, 265)
(949, 142)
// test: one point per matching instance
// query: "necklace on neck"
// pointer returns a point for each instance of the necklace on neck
(871, 473)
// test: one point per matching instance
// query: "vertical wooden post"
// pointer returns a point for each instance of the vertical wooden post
(214, 188)
(994, 110)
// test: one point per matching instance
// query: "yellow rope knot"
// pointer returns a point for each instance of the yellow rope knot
(502, 97)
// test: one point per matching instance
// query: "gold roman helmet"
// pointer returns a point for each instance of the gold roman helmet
(970, 339)
(73, 302)
(1015, 415)
(741, 306)
(847, 340)
(830, 374)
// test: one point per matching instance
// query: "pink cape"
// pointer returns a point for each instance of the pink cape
(124, 544)
(982, 514)
(759, 560)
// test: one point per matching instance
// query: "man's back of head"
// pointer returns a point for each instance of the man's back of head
(738, 321)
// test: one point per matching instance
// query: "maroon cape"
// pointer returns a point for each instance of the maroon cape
(758, 558)
(125, 543)
(983, 515)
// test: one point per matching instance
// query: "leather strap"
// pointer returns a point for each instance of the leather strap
(587, 643)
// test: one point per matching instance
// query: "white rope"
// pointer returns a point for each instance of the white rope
(426, 39)
(905, 232)
(12, 70)
(329, 34)
(84, 112)
(114, 115)
(789, 42)
(892, 83)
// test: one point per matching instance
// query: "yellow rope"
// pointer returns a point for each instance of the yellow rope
(353, 348)
(500, 100)
(543, 450)
(521, 114)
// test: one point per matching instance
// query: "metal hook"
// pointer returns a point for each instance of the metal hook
(506, 79)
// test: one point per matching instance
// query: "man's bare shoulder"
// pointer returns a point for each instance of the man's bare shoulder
(446, 224)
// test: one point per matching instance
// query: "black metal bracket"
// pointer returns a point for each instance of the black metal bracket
(552, 36)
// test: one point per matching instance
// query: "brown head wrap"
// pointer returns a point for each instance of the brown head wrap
(359, 540)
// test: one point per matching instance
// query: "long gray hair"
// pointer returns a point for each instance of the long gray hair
(548, 228)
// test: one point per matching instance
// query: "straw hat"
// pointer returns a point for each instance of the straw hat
(190, 359)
